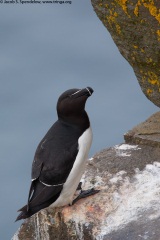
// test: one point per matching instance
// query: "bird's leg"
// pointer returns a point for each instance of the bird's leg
(84, 194)
(79, 186)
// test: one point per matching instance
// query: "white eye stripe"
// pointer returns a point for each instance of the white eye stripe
(76, 92)
(88, 91)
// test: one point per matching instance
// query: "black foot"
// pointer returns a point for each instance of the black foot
(85, 193)
(79, 186)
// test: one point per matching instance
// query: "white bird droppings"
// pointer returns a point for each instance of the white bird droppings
(123, 150)
(133, 198)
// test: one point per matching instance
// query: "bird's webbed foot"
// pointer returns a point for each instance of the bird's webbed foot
(84, 194)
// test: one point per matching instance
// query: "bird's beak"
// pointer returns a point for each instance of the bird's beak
(83, 92)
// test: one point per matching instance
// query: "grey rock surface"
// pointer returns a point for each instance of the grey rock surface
(127, 206)
(147, 133)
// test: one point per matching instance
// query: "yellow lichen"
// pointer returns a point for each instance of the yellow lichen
(143, 78)
(115, 14)
(136, 10)
(154, 11)
(112, 19)
(142, 20)
(118, 28)
(158, 33)
(149, 91)
(153, 79)
(149, 60)
(123, 4)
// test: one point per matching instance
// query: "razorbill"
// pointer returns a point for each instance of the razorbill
(61, 155)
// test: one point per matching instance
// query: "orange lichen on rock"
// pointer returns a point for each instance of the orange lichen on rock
(158, 33)
(112, 20)
(149, 91)
(136, 10)
(153, 79)
(123, 4)
(150, 5)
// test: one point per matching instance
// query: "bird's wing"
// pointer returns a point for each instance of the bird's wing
(53, 161)
(50, 171)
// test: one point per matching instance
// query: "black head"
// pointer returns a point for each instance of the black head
(71, 103)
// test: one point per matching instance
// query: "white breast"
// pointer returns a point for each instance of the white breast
(70, 186)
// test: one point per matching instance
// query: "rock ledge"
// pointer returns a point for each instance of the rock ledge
(128, 205)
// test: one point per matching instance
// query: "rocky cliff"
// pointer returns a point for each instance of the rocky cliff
(128, 204)
(135, 28)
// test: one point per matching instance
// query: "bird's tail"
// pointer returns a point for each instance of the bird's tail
(42, 197)
(24, 213)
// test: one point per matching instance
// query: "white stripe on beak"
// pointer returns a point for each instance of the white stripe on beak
(89, 91)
